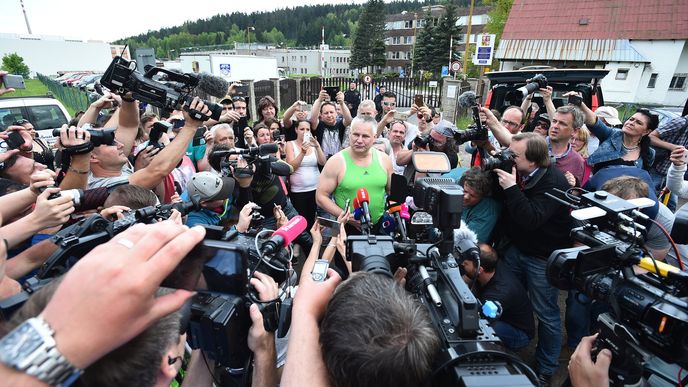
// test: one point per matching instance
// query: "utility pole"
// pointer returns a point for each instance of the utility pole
(413, 49)
(468, 38)
(26, 18)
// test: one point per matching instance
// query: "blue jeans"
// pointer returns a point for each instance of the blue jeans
(513, 338)
(531, 271)
(581, 315)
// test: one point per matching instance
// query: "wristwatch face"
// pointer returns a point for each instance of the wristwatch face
(21, 342)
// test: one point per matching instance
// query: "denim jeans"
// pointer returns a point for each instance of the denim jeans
(513, 338)
(581, 314)
(531, 271)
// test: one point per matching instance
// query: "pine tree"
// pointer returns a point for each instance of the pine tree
(424, 43)
(368, 47)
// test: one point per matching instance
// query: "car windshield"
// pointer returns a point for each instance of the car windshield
(46, 117)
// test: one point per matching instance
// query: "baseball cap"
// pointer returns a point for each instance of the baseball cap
(610, 114)
(445, 128)
(210, 186)
(227, 98)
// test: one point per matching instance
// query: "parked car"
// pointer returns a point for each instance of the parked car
(503, 92)
(45, 113)
(665, 116)
(86, 80)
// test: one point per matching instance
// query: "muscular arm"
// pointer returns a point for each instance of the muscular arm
(165, 161)
(29, 259)
(501, 133)
(128, 125)
(404, 156)
(327, 184)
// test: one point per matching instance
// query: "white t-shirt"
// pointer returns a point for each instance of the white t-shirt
(305, 177)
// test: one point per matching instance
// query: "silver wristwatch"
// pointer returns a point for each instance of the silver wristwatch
(30, 348)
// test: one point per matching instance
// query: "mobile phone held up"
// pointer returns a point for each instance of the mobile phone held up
(332, 92)
(13, 81)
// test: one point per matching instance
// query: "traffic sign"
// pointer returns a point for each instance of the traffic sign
(367, 79)
(456, 66)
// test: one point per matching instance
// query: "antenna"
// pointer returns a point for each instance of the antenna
(26, 18)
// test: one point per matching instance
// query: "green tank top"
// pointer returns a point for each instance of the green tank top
(373, 178)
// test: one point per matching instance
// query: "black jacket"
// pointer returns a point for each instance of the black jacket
(534, 223)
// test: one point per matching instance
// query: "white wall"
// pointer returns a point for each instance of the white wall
(664, 61)
(48, 55)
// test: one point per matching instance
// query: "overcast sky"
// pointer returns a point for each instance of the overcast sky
(111, 20)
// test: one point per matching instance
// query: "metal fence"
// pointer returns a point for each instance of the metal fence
(405, 89)
(72, 97)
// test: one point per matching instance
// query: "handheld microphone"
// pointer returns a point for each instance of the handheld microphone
(284, 235)
(364, 199)
(388, 224)
(213, 85)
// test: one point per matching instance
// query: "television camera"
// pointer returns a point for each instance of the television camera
(472, 354)
(646, 325)
(258, 156)
(173, 94)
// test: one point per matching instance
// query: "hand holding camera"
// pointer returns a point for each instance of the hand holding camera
(196, 113)
(41, 180)
(73, 136)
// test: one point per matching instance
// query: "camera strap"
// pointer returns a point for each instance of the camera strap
(78, 149)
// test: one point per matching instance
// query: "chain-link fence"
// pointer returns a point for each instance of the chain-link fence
(71, 97)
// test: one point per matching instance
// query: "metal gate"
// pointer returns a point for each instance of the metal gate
(261, 89)
(287, 93)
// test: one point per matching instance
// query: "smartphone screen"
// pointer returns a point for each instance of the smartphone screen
(319, 272)
(332, 91)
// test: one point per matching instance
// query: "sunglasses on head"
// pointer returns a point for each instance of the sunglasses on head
(21, 122)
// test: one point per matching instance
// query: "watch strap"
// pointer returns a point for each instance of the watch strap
(48, 364)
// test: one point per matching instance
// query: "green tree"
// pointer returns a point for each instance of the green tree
(368, 49)
(273, 36)
(14, 64)
(498, 16)
(443, 33)
(424, 43)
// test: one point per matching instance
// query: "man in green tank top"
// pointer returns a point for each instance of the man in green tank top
(358, 166)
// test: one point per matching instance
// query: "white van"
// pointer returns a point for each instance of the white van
(45, 113)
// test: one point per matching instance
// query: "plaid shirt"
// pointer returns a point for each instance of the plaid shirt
(672, 133)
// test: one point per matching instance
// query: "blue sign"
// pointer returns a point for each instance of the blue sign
(225, 69)
(484, 53)
(445, 71)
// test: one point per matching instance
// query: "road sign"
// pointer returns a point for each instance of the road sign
(445, 71)
(456, 66)
(484, 50)
(367, 79)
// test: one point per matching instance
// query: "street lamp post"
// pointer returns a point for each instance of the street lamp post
(248, 37)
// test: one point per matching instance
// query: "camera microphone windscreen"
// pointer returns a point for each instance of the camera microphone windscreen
(467, 99)
(464, 233)
(213, 85)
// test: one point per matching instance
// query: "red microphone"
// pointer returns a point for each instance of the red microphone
(284, 235)
(364, 200)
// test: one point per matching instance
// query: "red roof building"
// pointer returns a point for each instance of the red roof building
(643, 42)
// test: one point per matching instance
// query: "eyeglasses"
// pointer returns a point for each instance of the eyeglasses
(389, 103)
(20, 122)
(241, 99)
(509, 123)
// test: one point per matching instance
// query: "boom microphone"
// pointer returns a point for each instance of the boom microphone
(284, 235)
(468, 99)
(213, 85)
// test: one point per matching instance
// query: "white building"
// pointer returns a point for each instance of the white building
(643, 44)
(324, 61)
(52, 54)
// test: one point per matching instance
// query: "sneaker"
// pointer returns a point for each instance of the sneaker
(544, 380)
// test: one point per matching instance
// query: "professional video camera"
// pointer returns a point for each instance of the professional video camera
(472, 354)
(75, 241)
(260, 156)
(503, 160)
(646, 327)
(219, 315)
(174, 94)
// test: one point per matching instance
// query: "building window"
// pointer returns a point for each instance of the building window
(621, 74)
(653, 80)
(408, 24)
(678, 82)
(408, 39)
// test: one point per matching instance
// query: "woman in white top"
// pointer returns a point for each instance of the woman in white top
(304, 155)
